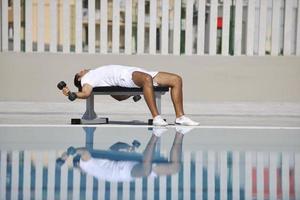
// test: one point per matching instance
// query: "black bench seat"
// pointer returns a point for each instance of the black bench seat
(125, 89)
(90, 116)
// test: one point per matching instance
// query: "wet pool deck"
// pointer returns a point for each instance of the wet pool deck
(128, 113)
(234, 141)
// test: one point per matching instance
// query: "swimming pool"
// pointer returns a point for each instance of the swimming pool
(140, 162)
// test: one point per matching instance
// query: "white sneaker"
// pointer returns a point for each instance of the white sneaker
(158, 131)
(185, 121)
(183, 129)
(159, 121)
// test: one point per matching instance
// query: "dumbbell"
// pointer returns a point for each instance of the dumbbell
(136, 144)
(136, 98)
(71, 151)
(71, 95)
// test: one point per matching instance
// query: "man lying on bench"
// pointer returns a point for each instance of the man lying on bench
(131, 77)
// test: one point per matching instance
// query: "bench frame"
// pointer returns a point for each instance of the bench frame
(115, 155)
(90, 116)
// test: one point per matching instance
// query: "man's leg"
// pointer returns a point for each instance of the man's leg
(175, 82)
(145, 81)
(173, 166)
(144, 168)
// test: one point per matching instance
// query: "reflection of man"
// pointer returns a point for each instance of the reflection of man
(111, 170)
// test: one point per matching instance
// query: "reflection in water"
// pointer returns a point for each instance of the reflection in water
(117, 165)
(127, 171)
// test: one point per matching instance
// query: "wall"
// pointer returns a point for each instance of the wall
(34, 76)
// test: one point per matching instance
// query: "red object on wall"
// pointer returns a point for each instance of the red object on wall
(219, 22)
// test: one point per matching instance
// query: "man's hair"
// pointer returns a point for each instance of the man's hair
(77, 82)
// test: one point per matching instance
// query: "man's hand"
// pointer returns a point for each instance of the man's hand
(65, 91)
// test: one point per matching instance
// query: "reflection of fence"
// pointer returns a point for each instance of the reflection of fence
(209, 174)
(152, 27)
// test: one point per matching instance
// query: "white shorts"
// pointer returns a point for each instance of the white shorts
(129, 82)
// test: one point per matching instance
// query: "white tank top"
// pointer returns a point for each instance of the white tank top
(112, 75)
(108, 170)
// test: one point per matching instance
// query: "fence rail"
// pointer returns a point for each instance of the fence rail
(179, 27)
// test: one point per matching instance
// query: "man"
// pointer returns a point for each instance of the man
(125, 76)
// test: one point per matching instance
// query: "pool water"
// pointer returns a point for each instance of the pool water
(119, 162)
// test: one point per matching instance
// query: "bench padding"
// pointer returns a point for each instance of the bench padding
(125, 89)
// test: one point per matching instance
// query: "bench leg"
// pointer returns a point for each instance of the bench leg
(89, 137)
(158, 102)
(90, 112)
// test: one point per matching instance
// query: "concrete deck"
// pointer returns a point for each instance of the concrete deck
(127, 112)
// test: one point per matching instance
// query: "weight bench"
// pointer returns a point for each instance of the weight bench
(118, 155)
(90, 116)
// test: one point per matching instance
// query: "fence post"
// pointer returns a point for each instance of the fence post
(4, 25)
(273, 160)
(128, 27)
(15, 174)
(66, 26)
(248, 173)
(298, 31)
(189, 27)
(250, 28)
(141, 27)
(211, 166)
(41, 26)
(3, 173)
(285, 174)
(0, 25)
(213, 27)
(78, 32)
(51, 175)
(201, 28)
(287, 28)
(275, 28)
(103, 27)
(116, 27)
(238, 27)
(225, 27)
(198, 174)
(28, 26)
(152, 34)
(39, 165)
(223, 174)
(91, 26)
(297, 172)
(165, 27)
(262, 28)
(177, 27)
(53, 25)
(260, 175)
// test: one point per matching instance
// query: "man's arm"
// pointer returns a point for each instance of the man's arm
(85, 92)
(82, 151)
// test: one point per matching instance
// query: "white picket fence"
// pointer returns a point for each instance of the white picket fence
(178, 27)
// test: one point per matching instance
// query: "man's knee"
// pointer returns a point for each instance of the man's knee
(177, 80)
(141, 79)
(147, 80)
(175, 167)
